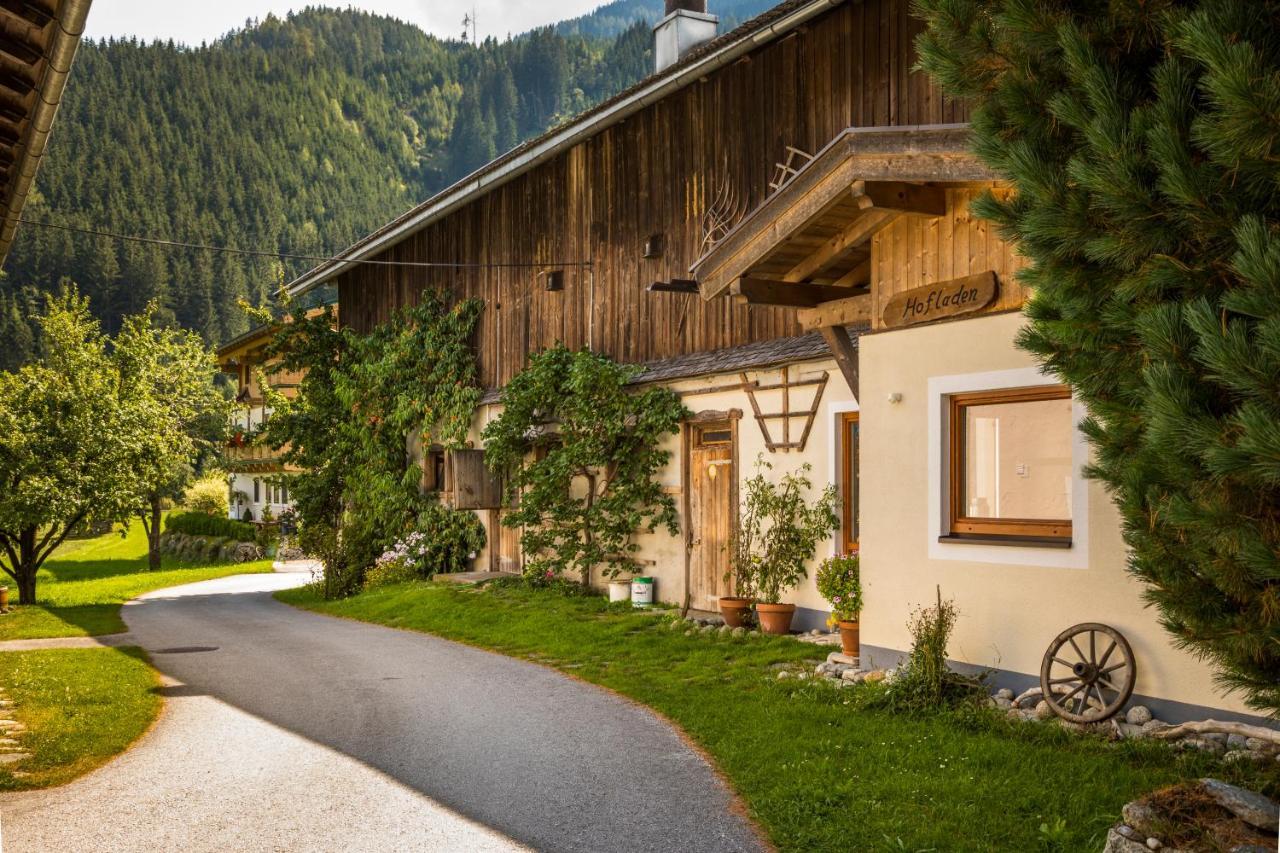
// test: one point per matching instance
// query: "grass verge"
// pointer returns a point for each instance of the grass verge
(817, 771)
(80, 707)
(81, 587)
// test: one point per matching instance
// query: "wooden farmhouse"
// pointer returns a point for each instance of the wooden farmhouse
(777, 224)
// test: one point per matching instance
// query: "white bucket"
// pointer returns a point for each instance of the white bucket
(619, 591)
(642, 592)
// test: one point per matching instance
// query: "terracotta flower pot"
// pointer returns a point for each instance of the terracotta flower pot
(734, 610)
(775, 618)
(849, 643)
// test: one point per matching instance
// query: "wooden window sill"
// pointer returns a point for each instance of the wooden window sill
(1009, 541)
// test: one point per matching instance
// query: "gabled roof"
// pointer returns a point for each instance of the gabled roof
(715, 54)
(816, 227)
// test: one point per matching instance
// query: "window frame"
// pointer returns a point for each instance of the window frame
(961, 525)
(848, 509)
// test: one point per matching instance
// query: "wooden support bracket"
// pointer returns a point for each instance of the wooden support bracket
(763, 291)
(846, 354)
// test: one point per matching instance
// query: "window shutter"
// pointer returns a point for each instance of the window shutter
(471, 484)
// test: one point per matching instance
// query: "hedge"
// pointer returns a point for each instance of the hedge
(200, 524)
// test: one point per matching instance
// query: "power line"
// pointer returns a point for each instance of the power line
(227, 250)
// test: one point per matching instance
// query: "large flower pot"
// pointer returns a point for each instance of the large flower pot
(734, 609)
(849, 638)
(619, 591)
(775, 618)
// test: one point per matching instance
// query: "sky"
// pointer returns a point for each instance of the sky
(201, 20)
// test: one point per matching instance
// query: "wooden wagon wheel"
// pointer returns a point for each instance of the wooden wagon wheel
(1088, 673)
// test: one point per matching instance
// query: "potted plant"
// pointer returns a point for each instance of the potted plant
(788, 533)
(736, 608)
(840, 583)
(619, 589)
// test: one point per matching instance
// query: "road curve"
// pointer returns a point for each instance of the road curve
(287, 730)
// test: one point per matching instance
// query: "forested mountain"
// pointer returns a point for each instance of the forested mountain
(612, 18)
(293, 135)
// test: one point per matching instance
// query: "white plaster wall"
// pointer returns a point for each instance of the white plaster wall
(1012, 601)
(662, 554)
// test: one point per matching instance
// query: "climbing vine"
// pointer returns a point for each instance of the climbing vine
(582, 452)
(360, 400)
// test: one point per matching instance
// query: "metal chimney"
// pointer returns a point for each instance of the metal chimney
(685, 27)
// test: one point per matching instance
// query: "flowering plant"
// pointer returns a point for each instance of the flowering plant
(840, 583)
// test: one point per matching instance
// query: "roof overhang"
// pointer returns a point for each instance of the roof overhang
(38, 41)
(809, 243)
(522, 160)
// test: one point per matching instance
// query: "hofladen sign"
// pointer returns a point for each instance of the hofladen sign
(944, 299)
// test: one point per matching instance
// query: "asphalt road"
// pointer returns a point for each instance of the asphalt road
(285, 730)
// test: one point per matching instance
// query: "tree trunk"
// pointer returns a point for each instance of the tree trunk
(27, 566)
(153, 537)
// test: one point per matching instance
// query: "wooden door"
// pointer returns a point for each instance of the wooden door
(712, 492)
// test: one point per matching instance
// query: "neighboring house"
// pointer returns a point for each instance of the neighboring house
(38, 42)
(778, 226)
(258, 485)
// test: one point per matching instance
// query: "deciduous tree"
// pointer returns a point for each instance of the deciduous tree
(63, 445)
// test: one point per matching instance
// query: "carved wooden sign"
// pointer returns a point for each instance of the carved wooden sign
(944, 299)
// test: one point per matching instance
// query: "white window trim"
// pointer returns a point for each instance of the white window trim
(1074, 557)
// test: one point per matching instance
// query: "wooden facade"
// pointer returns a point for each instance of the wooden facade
(656, 174)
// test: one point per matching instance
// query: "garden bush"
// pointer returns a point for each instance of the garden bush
(208, 497)
(201, 524)
(925, 682)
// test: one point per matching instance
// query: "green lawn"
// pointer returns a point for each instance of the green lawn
(82, 586)
(815, 770)
(80, 707)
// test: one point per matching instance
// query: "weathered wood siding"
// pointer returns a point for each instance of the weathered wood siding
(915, 251)
(656, 173)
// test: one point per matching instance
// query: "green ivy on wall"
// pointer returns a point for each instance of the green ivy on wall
(582, 452)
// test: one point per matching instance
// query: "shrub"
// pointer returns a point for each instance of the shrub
(208, 497)
(390, 572)
(779, 530)
(925, 682)
(200, 524)
(453, 537)
(840, 583)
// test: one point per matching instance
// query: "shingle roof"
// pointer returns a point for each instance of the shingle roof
(754, 356)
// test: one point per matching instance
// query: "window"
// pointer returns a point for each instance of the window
(257, 490)
(1009, 466)
(849, 480)
(284, 492)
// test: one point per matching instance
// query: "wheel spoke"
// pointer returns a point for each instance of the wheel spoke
(1107, 654)
(1113, 668)
(1072, 641)
(1093, 647)
(1064, 663)
(1067, 680)
(1066, 697)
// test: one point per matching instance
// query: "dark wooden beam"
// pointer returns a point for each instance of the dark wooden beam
(852, 311)
(23, 51)
(845, 353)
(763, 291)
(904, 197)
(677, 285)
(27, 11)
(858, 231)
(15, 83)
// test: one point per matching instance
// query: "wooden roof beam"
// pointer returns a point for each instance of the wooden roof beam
(855, 233)
(763, 291)
(28, 11)
(853, 311)
(859, 276)
(919, 199)
(23, 51)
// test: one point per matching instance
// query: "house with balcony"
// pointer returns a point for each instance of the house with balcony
(258, 478)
